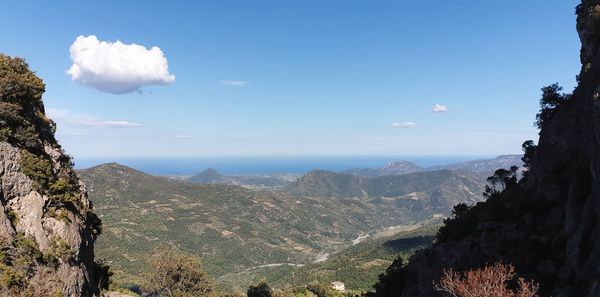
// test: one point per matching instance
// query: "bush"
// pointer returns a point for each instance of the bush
(178, 274)
(485, 282)
(262, 289)
(37, 168)
(391, 283)
(59, 251)
(551, 101)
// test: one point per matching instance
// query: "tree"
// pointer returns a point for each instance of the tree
(391, 283)
(177, 274)
(529, 151)
(261, 289)
(551, 100)
(490, 281)
(501, 180)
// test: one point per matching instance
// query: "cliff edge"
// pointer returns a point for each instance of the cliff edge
(47, 227)
(548, 223)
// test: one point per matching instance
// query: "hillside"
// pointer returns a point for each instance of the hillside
(390, 168)
(484, 167)
(431, 189)
(211, 176)
(231, 227)
(546, 224)
(359, 265)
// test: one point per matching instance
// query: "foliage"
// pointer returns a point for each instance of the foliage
(59, 251)
(490, 281)
(64, 190)
(392, 281)
(501, 180)
(21, 113)
(262, 289)
(529, 152)
(177, 274)
(359, 265)
(38, 168)
(17, 82)
(551, 101)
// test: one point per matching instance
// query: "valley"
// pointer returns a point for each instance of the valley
(244, 232)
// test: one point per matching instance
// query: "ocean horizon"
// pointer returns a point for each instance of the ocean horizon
(185, 166)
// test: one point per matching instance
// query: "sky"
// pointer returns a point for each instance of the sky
(294, 78)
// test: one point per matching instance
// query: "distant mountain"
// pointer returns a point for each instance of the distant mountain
(484, 166)
(481, 168)
(211, 176)
(433, 189)
(323, 183)
(391, 168)
(233, 228)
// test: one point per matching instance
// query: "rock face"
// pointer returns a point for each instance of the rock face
(548, 224)
(47, 227)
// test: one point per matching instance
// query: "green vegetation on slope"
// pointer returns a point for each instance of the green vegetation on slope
(231, 228)
(359, 265)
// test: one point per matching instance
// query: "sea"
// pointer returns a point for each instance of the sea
(186, 166)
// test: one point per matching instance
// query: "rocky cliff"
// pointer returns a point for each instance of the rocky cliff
(47, 227)
(548, 224)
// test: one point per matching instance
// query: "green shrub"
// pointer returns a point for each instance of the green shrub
(58, 251)
(62, 190)
(37, 168)
(13, 218)
(262, 289)
(11, 278)
(552, 99)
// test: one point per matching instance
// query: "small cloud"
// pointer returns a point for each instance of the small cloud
(115, 67)
(439, 108)
(234, 83)
(404, 125)
(64, 116)
(181, 136)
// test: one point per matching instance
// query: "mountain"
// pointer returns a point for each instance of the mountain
(213, 177)
(440, 189)
(391, 168)
(233, 229)
(484, 167)
(546, 224)
(47, 226)
(481, 168)
(209, 176)
(323, 183)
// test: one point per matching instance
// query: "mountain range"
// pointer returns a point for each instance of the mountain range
(480, 167)
(235, 229)
(439, 189)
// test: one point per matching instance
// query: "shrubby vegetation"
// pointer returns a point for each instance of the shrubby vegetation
(262, 289)
(485, 282)
(391, 282)
(552, 99)
(177, 274)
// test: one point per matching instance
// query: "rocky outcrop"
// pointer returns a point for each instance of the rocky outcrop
(548, 224)
(47, 227)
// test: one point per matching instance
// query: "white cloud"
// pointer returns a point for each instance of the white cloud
(234, 83)
(404, 125)
(65, 117)
(115, 67)
(439, 108)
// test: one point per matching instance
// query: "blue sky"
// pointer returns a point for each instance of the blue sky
(304, 77)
